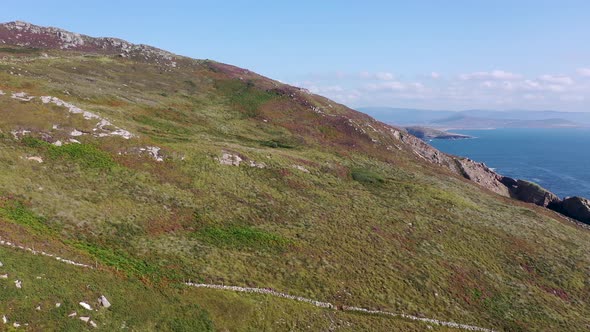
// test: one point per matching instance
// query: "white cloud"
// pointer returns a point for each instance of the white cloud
(492, 75)
(380, 76)
(386, 86)
(473, 90)
(383, 76)
(557, 79)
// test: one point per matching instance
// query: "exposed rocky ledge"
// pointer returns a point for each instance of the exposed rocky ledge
(29, 35)
(530, 192)
(469, 169)
(575, 207)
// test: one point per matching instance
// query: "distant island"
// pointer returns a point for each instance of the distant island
(427, 133)
(478, 119)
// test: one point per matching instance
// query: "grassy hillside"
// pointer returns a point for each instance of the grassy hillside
(325, 203)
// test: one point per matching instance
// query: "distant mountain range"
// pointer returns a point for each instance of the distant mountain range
(479, 119)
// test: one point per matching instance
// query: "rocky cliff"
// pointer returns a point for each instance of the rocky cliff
(576, 207)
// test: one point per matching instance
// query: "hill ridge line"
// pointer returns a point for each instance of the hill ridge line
(343, 308)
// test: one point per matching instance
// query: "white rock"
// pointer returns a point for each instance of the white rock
(38, 308)
(15, 324)
(85, 305)
(1, 265)
(93, 324)
(18, 284)
(73, 314)
(58, 143)
(4, 319)
(103, 301)
(230, 159)
(22, 96)
(57, 305)
(35, 158)
(18, 133)
(71, 140)
(154, 152)
(258, 165)
(76, 133)
(3, 276)
(85, 319)
(301, 168)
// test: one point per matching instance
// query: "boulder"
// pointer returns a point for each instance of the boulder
(577, 208)
(85, 305)
(103, 301)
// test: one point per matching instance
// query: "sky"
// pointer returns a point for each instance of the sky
(450, 55)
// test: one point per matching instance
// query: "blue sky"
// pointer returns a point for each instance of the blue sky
(421, 54)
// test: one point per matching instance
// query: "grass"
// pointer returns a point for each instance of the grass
(277, 144)
(120, 261)
(366, 176)
(244, 97)
(19, 50)
(85, 155)
(17, 212)
(367, 227)
(241, 237)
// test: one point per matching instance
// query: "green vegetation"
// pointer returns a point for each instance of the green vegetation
(18, 213)
(19, 50)
(118, 260)
(366, 176)
(244, 97)
(277, 144)
(241, 237)
(85, 155)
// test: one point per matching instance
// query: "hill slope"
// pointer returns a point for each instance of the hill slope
(157, 171)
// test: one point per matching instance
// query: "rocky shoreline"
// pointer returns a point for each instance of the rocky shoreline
(577, 208)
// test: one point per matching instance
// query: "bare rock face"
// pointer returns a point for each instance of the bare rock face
(482, 175)
(577, 208)
(532, 193)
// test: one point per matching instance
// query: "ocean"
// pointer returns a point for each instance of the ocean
(556, 159)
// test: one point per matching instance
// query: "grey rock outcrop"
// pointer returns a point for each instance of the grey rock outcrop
(29, 35)
(533, 193)
(577, 208)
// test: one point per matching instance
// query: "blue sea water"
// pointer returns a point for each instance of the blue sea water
(556, 159)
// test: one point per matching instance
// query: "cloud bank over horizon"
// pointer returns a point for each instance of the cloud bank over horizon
(491, 89)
